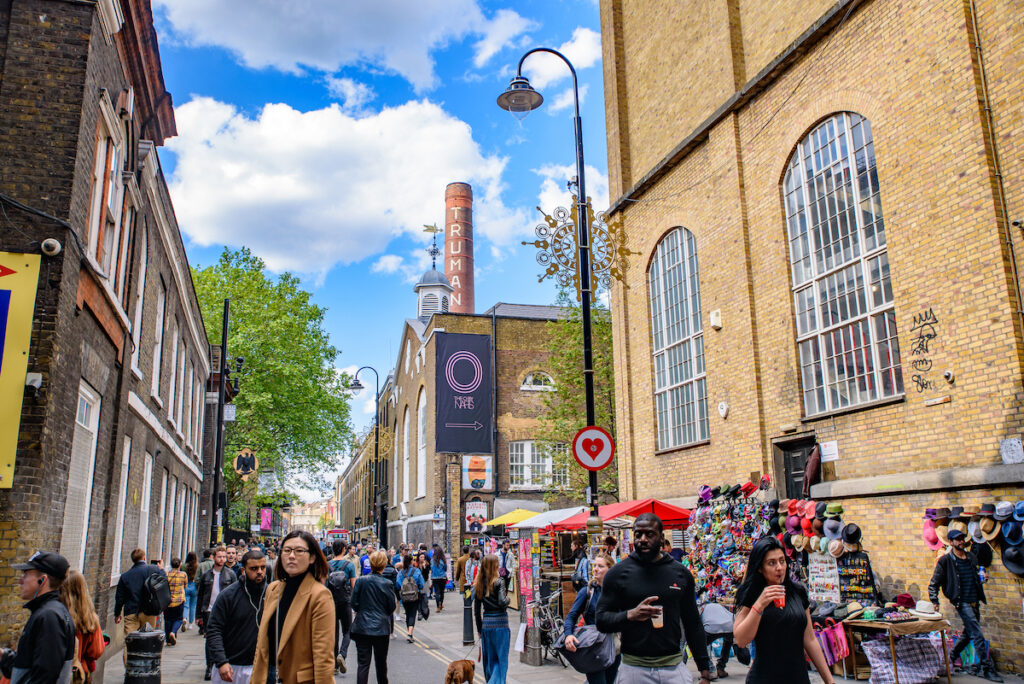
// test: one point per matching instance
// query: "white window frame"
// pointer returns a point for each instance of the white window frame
(677, 342)
(172, 509)
(162, 513)
(122, 504)
(144, 504)
(421, 444)
(179, 371)
(394, 479)
(158, 341)
(839, 269)
(530, 386)
(531, 465)
(405, 456)
(89, 419)
(140, 295)
(172, 390)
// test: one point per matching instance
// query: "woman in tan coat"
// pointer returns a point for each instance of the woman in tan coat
(296, 637)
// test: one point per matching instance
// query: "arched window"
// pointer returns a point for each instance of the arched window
(421, 444)
(394, 466)
(405, 455)
(680, 389)
(842, 294)
(538, 381)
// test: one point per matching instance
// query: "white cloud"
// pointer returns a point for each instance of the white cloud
(308, 190)
(388, 263)
(395, 35)
(564, 99)
(500, 32)
(553, 192)
(369, 406)
(354, 96)
(583, 50)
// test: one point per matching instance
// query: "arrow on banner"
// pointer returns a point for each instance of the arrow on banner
(6, 271)
(475, 425)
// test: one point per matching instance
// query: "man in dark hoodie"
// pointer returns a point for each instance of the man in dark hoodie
(234, 622)
(650, 599)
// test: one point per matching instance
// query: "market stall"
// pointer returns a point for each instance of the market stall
(621, 515)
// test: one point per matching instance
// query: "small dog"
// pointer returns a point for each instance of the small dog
(460, 672)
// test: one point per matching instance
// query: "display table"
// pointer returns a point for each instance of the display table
(901, 629)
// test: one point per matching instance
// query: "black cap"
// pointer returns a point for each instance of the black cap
(955, 533)
(46, 562)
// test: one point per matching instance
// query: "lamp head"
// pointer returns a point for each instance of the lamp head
(520, 98)
(355, 385)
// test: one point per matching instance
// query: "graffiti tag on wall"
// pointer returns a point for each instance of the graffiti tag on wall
(924, 328)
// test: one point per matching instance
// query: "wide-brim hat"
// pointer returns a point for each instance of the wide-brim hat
(854, 610)
(773, 525)
(835, 547)
(942, 532)
(793, 507)
(792, 524)
(823, 545)
(798, 541)
(1004, 510)
(989, 528)
(974, 530)
(813, 543)
(819, 510)
(1018, 511)
(851, 533)
(818, 525)
(929, 535)
(988, 509)
(807, 526)
(958, 525)
(983, 552)
(810, 508)
(833, 529)
(1013, 559)
(941, 516)
(925, 610)
(905, 600)
(1013, 533)
(773, 504)
(956, 511)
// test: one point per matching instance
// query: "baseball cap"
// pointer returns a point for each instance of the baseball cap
(955, 533)
(46, 562)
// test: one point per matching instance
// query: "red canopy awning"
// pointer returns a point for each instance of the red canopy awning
(671, 516)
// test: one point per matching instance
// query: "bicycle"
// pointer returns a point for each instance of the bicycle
(550, 624)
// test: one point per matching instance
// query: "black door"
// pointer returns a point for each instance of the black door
(794, 460)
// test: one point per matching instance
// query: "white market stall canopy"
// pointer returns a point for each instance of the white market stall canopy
(548, 518)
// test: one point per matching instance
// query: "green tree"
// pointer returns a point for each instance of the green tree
(293, 409)
(565, 407)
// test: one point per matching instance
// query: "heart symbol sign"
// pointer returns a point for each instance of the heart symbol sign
(593, 446)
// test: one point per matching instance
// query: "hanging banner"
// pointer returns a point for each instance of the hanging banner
(19, 278)
(478, 473)
(266, 519)
(463, 394)
(476, 516)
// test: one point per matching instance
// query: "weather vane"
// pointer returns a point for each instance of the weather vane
(433, 250)
(559, 250)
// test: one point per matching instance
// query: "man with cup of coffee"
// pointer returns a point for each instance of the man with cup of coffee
(650, 599)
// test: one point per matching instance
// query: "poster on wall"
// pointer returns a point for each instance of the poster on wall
(478, 473)
(476, 516)
(823, 576)
(19, 278)
(526, 577)
(463, 394)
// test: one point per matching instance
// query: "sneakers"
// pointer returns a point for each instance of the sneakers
(340, 664)
(722, 674)
(184, 626)
(991, 675)
(172, 639)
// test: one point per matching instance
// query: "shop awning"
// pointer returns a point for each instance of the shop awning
(671, 516)
(518, 515)
(548, 517)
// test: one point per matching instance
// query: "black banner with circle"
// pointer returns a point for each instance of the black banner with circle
(464, 417)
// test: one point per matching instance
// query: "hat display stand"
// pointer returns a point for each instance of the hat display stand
(840, 571)
(993, 523)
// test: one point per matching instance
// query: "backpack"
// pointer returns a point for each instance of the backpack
(409, 592)
(579, 575)
(156, 593)
(340, 586)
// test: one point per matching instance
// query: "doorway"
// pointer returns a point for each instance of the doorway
(793, 455)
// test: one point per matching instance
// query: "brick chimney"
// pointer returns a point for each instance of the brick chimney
(458, 245)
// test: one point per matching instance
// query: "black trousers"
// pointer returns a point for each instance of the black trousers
(439, 585)
(343, 613)
(377, 648)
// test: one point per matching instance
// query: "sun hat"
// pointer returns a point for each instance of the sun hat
(840, 613)
(925, 610)
(823, 545)
(1013, 559)
(929, 535)
(1004, 510)
(1018, 511)
(793, 524)
(810, 508)
(983, 552)
(974, 529)
(798, 541)
(989, 528)
(807, 526)
(813, 543)
(793, 507)
(773, 525)
(958, 525)
(833, 528)
(851, 534)
(833, 510)
(818, 525)
(835, 547)
(1013, 534)
(784, 506)
(942, 532)
(854, 609)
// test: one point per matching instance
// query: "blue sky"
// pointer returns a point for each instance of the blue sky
(321, 134)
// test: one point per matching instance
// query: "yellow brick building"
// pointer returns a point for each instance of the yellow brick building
(822, 194)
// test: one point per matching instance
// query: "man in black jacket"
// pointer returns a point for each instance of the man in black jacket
(213, 582)
(234, 622)
(46, 648)
(128, 595)
(650, 599)
(957, 574)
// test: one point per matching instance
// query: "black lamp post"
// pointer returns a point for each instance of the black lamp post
(520, 99)
(378, 508)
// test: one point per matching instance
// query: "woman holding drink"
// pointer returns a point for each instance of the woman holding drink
(773, 613)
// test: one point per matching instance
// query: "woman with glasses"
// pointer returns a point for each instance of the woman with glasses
(296, 636)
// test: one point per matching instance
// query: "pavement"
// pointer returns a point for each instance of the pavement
(438, 641)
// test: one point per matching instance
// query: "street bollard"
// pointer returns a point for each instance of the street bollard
(467, 618)
(142, 657)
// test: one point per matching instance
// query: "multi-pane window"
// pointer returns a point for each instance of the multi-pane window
(842, 293)
(421, 444)
(532, 464)
(680, 388)
(538, 381)
(158, 340)
(140, 289)
(78, 501)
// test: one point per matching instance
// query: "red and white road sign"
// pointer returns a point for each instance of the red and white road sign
(593, 448)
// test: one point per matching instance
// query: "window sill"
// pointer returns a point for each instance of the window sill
(898, 399)
(138, 374)
(684, 447)
(527, 488)
(157, 400)
(536, 389)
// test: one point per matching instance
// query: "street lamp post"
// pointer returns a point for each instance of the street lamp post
(376, 477)
(520, 99)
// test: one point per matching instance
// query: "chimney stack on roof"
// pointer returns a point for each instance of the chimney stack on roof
(458, 245)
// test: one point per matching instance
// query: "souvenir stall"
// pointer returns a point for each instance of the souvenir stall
(617, 520)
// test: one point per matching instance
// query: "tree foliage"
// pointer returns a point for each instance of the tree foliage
(293, 408)
(565, 407)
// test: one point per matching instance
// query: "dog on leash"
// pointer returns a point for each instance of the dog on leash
(460, 672)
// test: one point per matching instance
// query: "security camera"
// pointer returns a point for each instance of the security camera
(51, 247)
(1017, 223)
(948, 375)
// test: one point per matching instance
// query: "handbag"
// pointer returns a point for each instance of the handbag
(836, 635)
(595, 651)
(579, 577)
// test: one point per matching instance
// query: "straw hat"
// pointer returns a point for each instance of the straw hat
(835, 547)
(942, 532)
(989, 528)
(926, 611)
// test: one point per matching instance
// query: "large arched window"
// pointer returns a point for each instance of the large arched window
(394, 466)
(405, 455)
(842, 295)
(421, 444)
(680, 389)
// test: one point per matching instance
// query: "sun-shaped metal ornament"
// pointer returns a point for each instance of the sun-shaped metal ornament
(559, 248)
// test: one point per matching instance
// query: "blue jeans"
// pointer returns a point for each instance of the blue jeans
(495, 642)
(605, 676)
(972, 632)
(191, 598)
